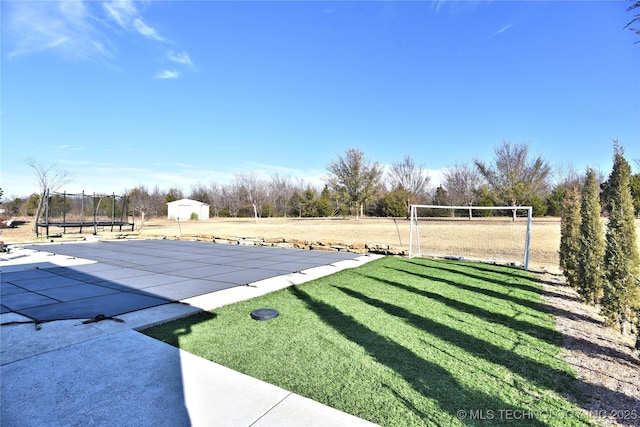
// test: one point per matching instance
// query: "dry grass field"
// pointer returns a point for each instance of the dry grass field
(496, 239)
(480, 237)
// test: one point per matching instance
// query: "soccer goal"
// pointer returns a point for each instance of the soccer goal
(494, 234)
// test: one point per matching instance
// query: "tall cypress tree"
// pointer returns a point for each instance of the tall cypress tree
(621, 300)
(570, 236)
(592, 243)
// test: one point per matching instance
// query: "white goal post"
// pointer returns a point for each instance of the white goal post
(496, 234)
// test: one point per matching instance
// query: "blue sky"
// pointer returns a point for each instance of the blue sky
(172, 93)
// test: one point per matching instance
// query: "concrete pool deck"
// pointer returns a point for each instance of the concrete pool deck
(69, 372)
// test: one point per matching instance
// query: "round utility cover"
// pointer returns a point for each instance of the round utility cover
(264, 314)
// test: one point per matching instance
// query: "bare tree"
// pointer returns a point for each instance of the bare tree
(230, 199)
(49, 179)
(215, 197)
(636, 18)
(141, 201)
(567, 175)
(253, 189)
(200, 192)
(158, 203)
(462, 183)
(513, 176)
(412, 179)
(354, 177)
(206, 194)
(281, 190)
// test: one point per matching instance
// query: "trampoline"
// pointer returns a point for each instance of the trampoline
(137, 274)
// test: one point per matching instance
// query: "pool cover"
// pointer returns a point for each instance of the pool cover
(137, 274)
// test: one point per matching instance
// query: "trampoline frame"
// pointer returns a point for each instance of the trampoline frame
(94, 222)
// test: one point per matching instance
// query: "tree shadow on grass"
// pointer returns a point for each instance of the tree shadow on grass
(528, 276)
(517, 271)
(534, 371)
(426, 378)
(537, 331)
(532, 304)
(538, 306)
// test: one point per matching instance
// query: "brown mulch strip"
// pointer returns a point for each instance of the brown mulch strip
(606, 362)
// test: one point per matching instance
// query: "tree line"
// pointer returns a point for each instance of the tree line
(356, 185)
(603, 263)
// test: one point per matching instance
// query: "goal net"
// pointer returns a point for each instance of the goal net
(495, 234)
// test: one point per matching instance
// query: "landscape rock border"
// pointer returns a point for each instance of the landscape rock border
(322, 245)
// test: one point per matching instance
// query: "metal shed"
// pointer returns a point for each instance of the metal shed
(184, 209)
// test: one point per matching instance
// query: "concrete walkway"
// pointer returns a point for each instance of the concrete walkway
(107, 374)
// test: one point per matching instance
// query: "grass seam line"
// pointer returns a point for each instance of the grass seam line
(271, 409)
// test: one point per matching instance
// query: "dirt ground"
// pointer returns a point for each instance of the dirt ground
(607, 365)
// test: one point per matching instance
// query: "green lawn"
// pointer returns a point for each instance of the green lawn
(402, 343)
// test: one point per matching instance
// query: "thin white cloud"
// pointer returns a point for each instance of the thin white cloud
(126, 15)
(455, 6)
(167, 74)
(502, 30)
(109, 177)
(183, 165)
(68, 147)
(63, 27)
(76, 29)
(181, 58)
(120, 11)
(146, 30)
